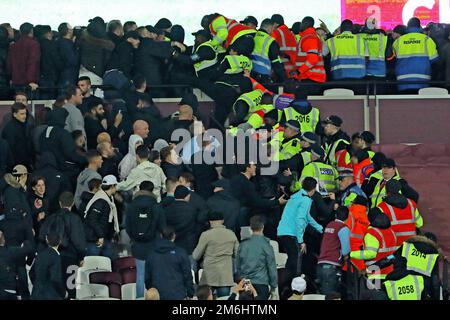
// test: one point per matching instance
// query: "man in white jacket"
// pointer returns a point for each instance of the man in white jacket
(145, 171)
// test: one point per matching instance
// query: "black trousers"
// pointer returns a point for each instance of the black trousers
(291, 247)
(262, 290)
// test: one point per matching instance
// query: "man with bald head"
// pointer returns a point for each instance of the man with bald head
(111, 159)
(103, 137)
(140, 127)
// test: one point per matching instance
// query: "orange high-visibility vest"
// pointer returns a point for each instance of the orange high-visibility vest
(358, 223)
(309, 61)
(288, 47)
(402, 220)
(388, 245)
(362, 170)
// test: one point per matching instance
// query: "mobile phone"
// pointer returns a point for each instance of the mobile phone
(247, 284)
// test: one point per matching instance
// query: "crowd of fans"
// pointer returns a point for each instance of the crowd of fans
(93, 178)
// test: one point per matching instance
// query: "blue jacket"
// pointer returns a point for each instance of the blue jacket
(296, 217)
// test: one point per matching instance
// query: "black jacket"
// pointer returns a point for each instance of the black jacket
(150, 58)
(4, 78)
(322, 211)
(122, 58)
(10, 259)
(245, 191)
(182, 216)
(168, 269)
(205, 175)
(51, 62)
(96, 223)
(19, 141)
(70, 58)
(73, 242)
(172, 170)
(38, 204)
(55, 180)
(15, 197)
(145, 221)
(85, 197)
(110, 165)
(6, 158)
(17, 229)
(46, 276)
(59, 141)
(95, 53)
(93, 128)
(224, 203)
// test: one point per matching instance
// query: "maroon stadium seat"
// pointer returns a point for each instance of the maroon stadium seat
(126, 267)
(112, 279)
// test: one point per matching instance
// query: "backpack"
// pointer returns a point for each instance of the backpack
(144, 220)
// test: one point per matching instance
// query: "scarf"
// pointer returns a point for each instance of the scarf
(112, 212)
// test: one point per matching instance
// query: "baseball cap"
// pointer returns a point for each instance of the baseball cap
(345, 173)
(309, 137)
(388, 163)
(19, 170)
(298, 284)
(163, 23)
(202, 32)
(152, 29)
(293, 124)
(334, 120)
(250, 19)
(109, 180)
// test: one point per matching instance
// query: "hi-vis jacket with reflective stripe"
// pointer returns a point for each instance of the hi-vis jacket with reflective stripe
(325, 175)
(206, 63)
(403, 221)
(347, 56)
(308, 122)
(330, 151)
(225, 31)
(287, 148)
(288, 47)
(238, 63)
(252, 99)
(309, 62)
(357, 222)
(260, 55)
(415, 52)
(418, 261)
(376, 44)
(406, 288)
(378, 244)
(380, 190)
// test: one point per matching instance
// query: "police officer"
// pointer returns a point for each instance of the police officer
(348, 188)
(290, 145)
(266, 55)
(336, 139)
(300, 109)
(325, 174)
(206, 55)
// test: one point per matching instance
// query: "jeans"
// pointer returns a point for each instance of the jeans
(292, 268)
(329, 277)
(221, 291)
(140, 278)
(94, 250)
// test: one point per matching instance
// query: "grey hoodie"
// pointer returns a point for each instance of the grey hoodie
(82, 183)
